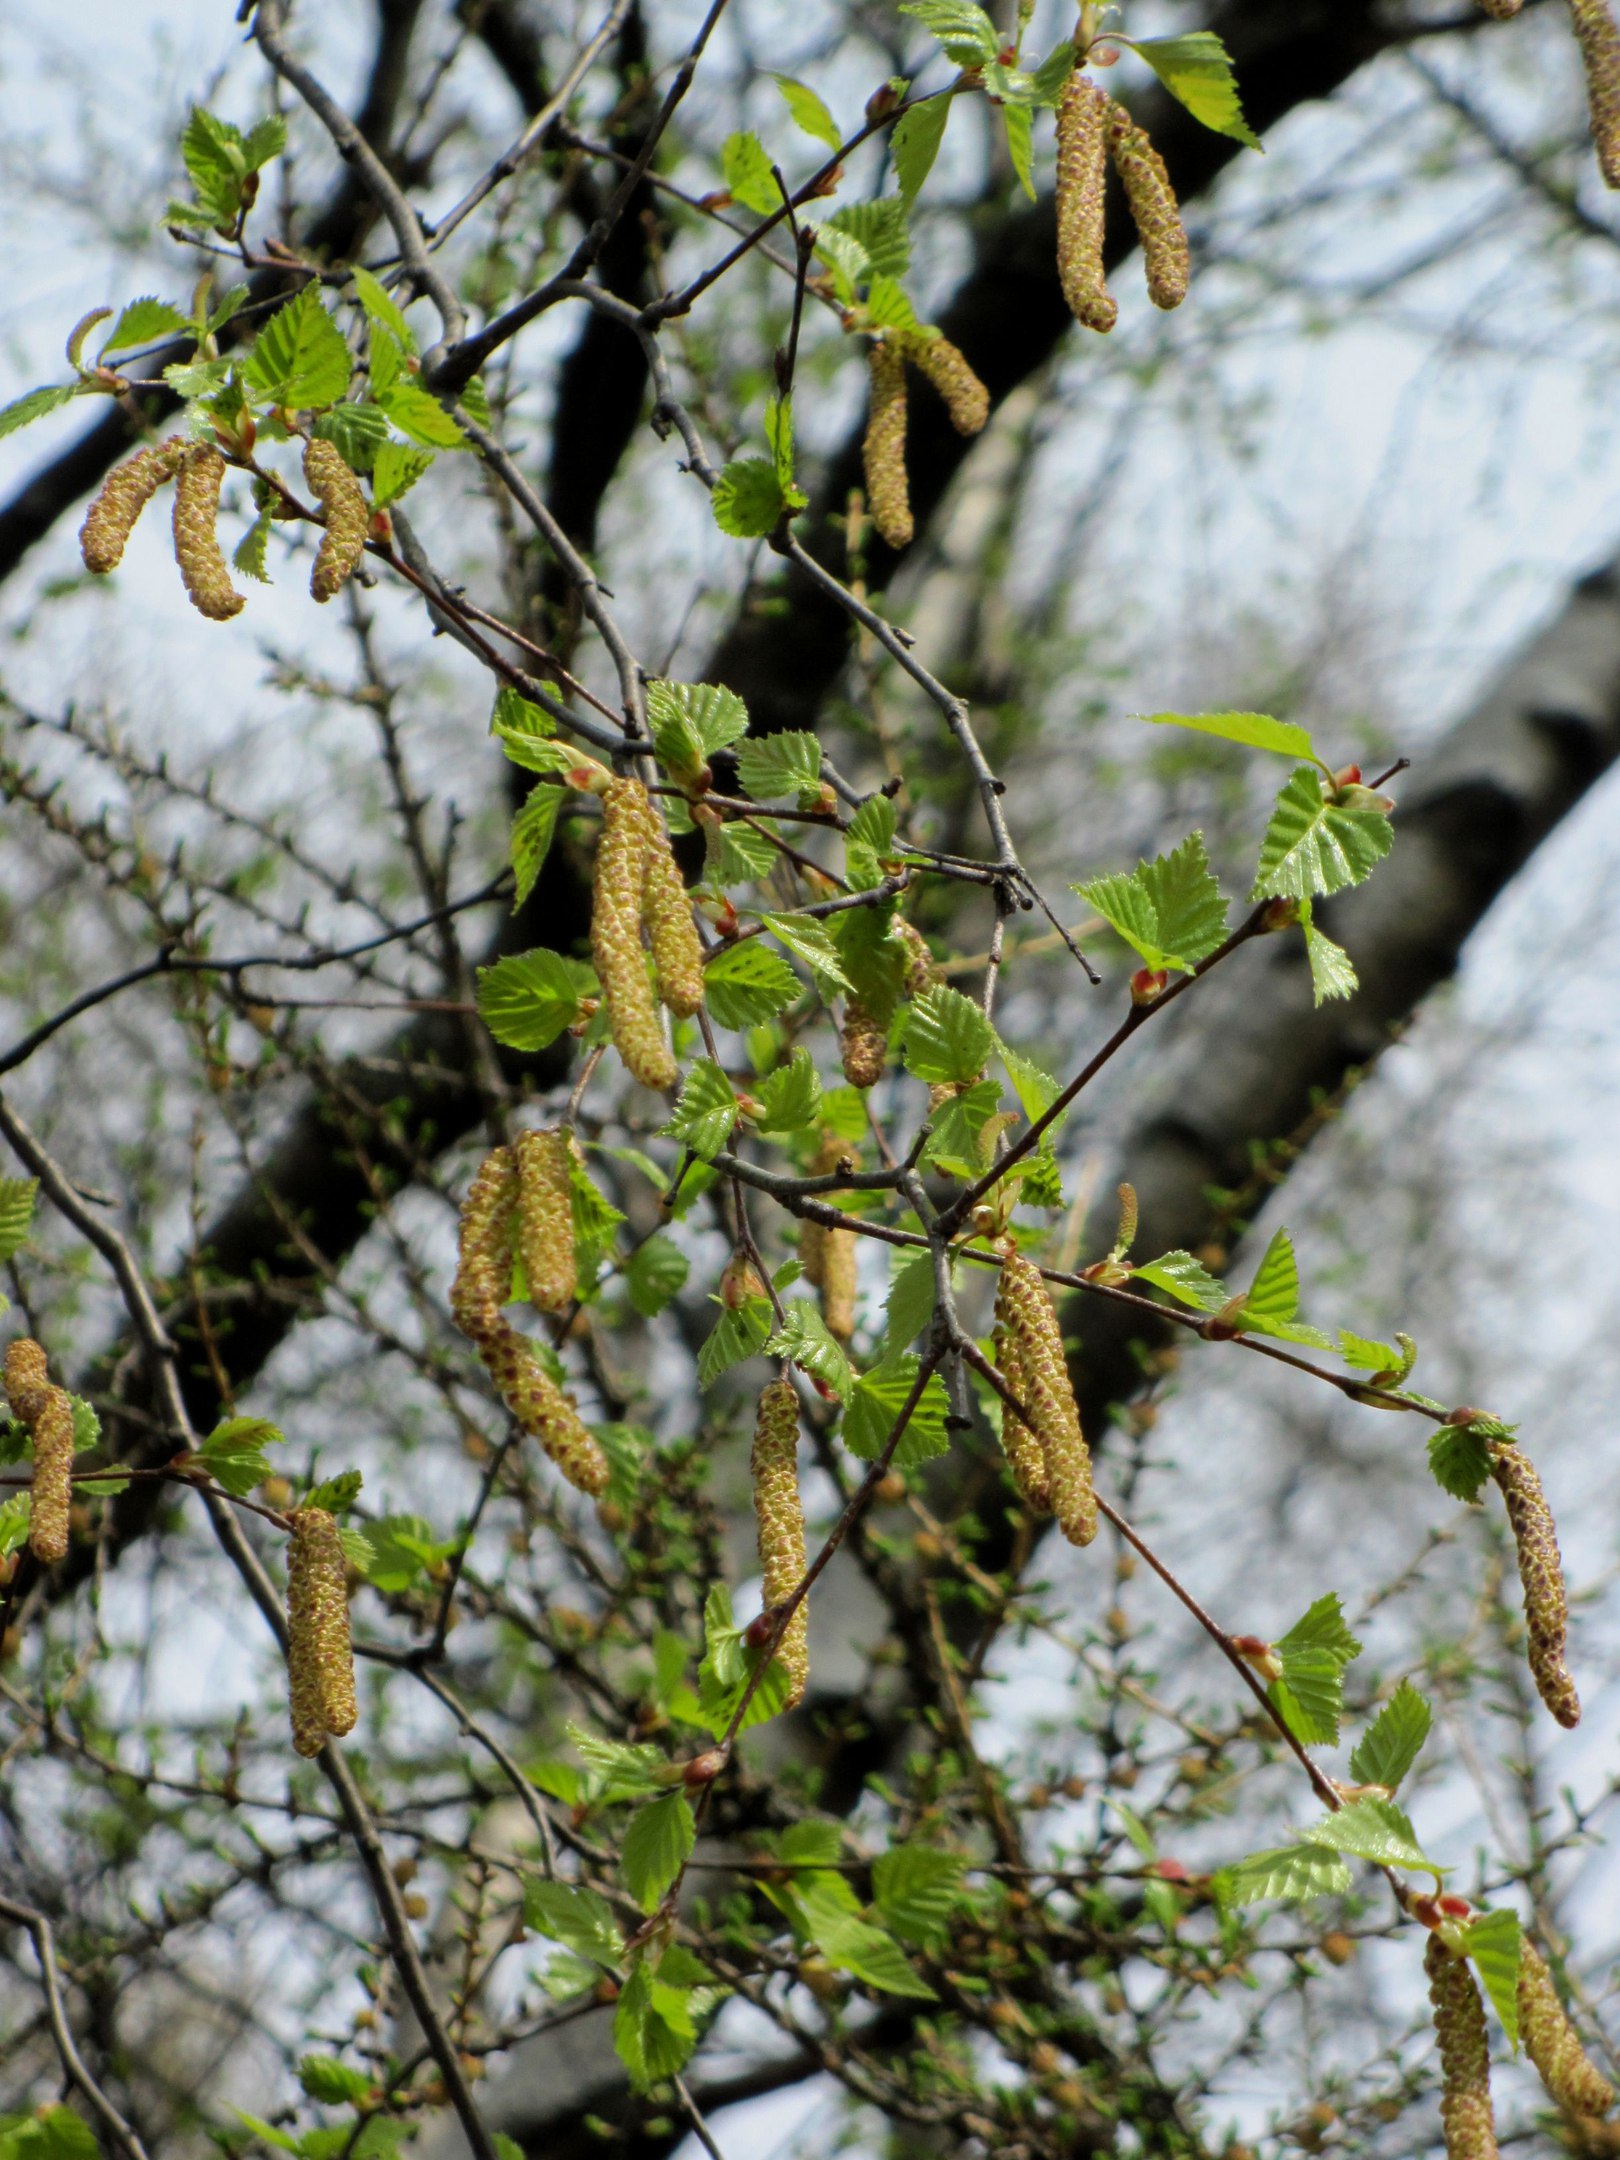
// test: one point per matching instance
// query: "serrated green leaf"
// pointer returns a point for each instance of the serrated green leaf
(1049, 81)
(1185, 1279)
(1322, 1627)
(1309, 1697)
(789, 1098)
(233, 1453)
(1291, 1872)
(804, 1338)
(734, 1337)
(779, 434)
(17, 1196)
(729, 1663)
(738, 854)
(868, 1953)
(1375, 1830)
(877, 1400)
(1256, 731)
(747, 984)
(1460, 1458)
(917, 1888)
(966, 31)
(962, 1136)
(1196, 70)
(532, 831)
(910, 1304)
(403, 1547)
(1333, 973)
(142, 322)
(1171, 911)
(748, 501)
(1367, 1354)
(880, 230)
(528, 999)
(267, 138)
(846, 259)
(15, 1515)
(579, 1919)
(395, 470)
(657, 1842)
(331, 2082)
(947, 1038)
(781, 768)
(1494, 1944)
(1015, 118)
(1274, 1293)
(705, 1110)
(335, 1494)
(381, 307)
(657, 1269)
(715, 716)
(749, 179)
(248, 556)
(808, 941)
(623, 1770)
(915, 143)
(420, 417)
(888, 305)
(299, 358)
(1391, 1744)
(1313, 845)
(653, 2032)
(808, 111)
(525, 732)
(34, 406)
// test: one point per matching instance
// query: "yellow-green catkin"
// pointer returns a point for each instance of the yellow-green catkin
(1552, 2043)
(828, 1255)
(1082, 172)
(883, 449)
(616, 914)
(47, 1411)
(546, 1218)
(1465, 2062)
(1025, 1456)
(779, 1515)
(196, 543)
(1599, 39)
(666, 909)
(1541, 1577)
(320, 1661)
(1153, 206)
(1501, 9)
(863, 1045)
(965, 397)
(1025, 1315)
(544, 1410)
(125, 493)
(921, 972)
(348, 517)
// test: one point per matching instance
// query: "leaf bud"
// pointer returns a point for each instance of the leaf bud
(1147, 984)
(739, 1281)
(703, 1769)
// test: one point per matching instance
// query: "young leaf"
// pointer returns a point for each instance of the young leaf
(1171, 910)
(705, 1111)
(333, 2083)
(621, 1770)
(917, 1889)
(948, 1038)
(1185, 1279)
(1257, 731)
(1391, 1744)
(807, 941)
(299, 358)
(728, 1666)
(804, 1337)
(748, 983)
(1494, 1943)
(857, 1947)
(1367, 1354)
(1333, 973)
(1291, 1872)
(1313, 845)
(808, 111)
(789, 1098)
(915, 143)
(734, 1337)
(877, 1400)
(420, 417)
(880, 230)
(715, 716)
(781, 768)
(34, 406)
(966, 32)
(748, 501)
(1015, 118)
(17, 1195)
(527, 999)
(910, 1304)
(395, 470)
(749, 179)
(888, 305)
(656, 1845)
(381, 307)
(1309, 1697)
(15, 1516)
(532, 830)
(1196, 70)
(653, 2031)
(142, 322)
(1273, 1298)
(656, 1271)
(1460, 1458)
(1375, 1830)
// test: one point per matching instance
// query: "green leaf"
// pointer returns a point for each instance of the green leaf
(1367, 1354)
(781, 768)
(705, 1111)
(789, 1098)
(917, 1889)
(729, 1664)
(34, 406)
(888, 305)
(233, 1454)
(713, 717)
(809, 113)
(1273, 1298)
(915, 143)
(880, 230)
(198, 378)
(335, 1494)
(381, 307)
(277, 2139)
(1291, 1872)
(395, 470)
(622, 1770)
(846, 259)
(1375, 1830)
(1393, 1741)
(1313, 845)
(331, 2082)
(1020, 144)
(17, 1195)
(874, 960)
(60, 2134)
(779, 434)
(403, 1547)
(734, 1337)
(299, 358)
(213, 153)
(525, 731)
(966, 32)
(15, 1514)
(657, 1269)
(1196, 70)
(652, 2030)
(1258, 731)
(1494, 1943)
(872, 1956)
(962, 1139)
(805, 1339)
(1322, 1627)
(1333, 973)
(267, 138)
(248, 556)
(748, 500)
(910, 1304)
(1460, 1458)
(748, 983)
(1171, 910)
(1051, 78)
(532, 831)
(948, 1038)
(656, 1845)
(144, 321)
(1185, 1279)
(528, 999)
(577, 1918)
(749, 179)
(1309, 1697)
(877, 1400)
(809, 942)
(420, 417)
(738, 854)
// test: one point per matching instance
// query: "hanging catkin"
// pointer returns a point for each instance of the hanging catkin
(483, 1278)
(1501, 9)
(1153, 206)
(125, 493)
(196, 543)
(965, 397)
(1541, 1576)
(1552, 2043)
(546, 1218)
(1465, 2063)
(320, 1661)
(828, 1255)
(780, 1518)
(921, 972)
(1027, 1321)
(863, 1045)
(348, 517)
(1082, 170)
(47, 1411)
(616, 911)
(883, 449)
(1599, 39)
(1025, 1456)
(666, 908)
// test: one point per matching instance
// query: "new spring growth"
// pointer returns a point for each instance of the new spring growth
(883, 455)
(1027, 1328)
(616, 914)
(320, 1661)
(1082, 139)
(348, 518)
(125, 493)
(483, 1281)
(1599, 39)
(828, 1255)
(774, 1464)
(1465, 2063)
(47, 1411)
(1153, 205)
(666, 907)
(1552, 2043)
(546, 1218)
(1541, 1576)
(196, 542)
(863, 1045)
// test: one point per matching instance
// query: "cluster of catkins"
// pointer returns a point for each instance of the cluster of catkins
(1598, 36)
(863, 1039)
(1091, 128)
(320, 1658)
(1042, 1440)
(1550, 2041)
(522, 1195)
(198, 473)
(47, 1411)
(638, 887)
(888, 497)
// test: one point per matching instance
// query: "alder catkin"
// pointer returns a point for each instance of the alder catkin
(666, 909)
(1465, 2062)
(1082, 171)
(125, 493)
(619, 882)
(779, 1514)
(1541, 1576)
(828, 1255)
(47, 1411)
(196, 543)
(1028, 1322)
(965, 397)
(1552, 2043)
(883, 448)
(1599, 39)
(348, 517)
(320, 1661)
(546, 1218)
(863, 1045)
(1153, 206)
